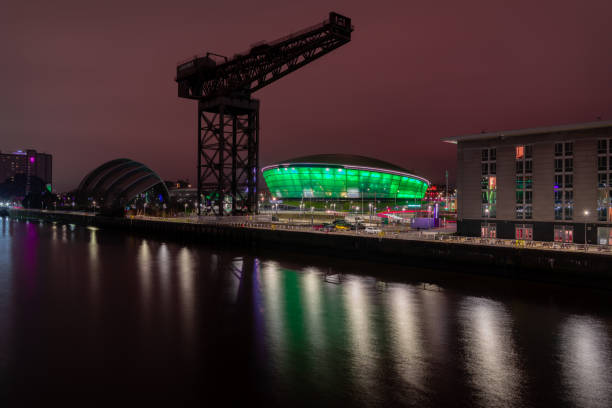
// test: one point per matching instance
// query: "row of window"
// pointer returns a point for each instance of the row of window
(562, 233)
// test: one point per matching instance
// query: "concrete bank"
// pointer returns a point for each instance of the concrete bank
(576, 268)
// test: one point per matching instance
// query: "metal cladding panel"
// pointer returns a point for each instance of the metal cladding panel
(300, 181)
(92, 178)
(117, 179)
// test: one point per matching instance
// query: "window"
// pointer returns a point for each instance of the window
(564, 233)
(558, 213)
(602, 146)
(569, 210)
(569, 180)
(558, 149)
(602, 163)
(602, 180)
(488, 230)
(523, 231)
(488, 182)
(558, 181)
(492, 183)
(569, 164)
(558, 197)
(524, 167)
(569, 148)
(519, 182)
(569, 196)
(558, 165)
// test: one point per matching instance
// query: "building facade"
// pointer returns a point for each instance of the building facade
(29, 163)
(543, 184)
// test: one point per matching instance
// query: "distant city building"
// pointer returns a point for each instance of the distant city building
(543, 184)
(29, 163)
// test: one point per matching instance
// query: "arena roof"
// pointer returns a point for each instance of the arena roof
(118, 181)
(342, 159)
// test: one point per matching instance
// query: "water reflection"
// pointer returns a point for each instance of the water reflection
(282, 327)
(586, 361)
(406, 331)
(491, 359)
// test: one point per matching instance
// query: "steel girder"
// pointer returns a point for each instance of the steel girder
(228, 153)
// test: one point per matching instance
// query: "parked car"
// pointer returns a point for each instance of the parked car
(373, 230)
(343, 227)
(318, 227)
(328, 227)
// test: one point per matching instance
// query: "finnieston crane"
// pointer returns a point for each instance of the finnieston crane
(228, 117)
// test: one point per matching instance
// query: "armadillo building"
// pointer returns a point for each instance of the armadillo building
(341, 176)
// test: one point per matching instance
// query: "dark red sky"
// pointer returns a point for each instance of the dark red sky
(89, 83)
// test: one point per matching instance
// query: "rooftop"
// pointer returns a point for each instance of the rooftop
(529, 131)
(344, 160)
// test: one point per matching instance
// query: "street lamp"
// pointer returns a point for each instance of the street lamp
(185, 212)
(370, 206)
(586, 214)
(94, 206)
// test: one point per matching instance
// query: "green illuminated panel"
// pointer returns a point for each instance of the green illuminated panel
(337, 182)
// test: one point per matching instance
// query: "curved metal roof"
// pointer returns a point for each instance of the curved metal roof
(118, 181)
(344, 160)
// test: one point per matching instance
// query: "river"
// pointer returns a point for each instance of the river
(92, 316)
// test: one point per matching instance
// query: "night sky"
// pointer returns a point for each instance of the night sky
(89, 82)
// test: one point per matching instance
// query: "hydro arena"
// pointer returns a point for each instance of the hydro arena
(341, 177)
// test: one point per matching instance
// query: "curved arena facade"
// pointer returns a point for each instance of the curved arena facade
(337, 176)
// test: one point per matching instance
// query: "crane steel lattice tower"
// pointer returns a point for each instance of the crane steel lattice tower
(228, 118)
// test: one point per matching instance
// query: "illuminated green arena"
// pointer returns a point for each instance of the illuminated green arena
(337, 176)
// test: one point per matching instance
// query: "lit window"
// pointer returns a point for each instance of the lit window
(520, 152)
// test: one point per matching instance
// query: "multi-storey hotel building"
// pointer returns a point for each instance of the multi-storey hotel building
(543, 184)
(29, 163)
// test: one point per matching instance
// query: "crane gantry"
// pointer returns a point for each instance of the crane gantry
(228, 117)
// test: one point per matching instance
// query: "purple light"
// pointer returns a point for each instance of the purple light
(32, 159)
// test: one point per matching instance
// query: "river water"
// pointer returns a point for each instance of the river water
(100, 317)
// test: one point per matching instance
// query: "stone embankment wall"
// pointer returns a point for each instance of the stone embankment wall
(585, 269)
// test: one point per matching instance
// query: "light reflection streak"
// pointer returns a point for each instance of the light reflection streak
(164, 263)
(94, 262)
(186, 278)
(273, 311)
(491, 359)
(234, 278)
(312, 304)
(359, 328)
(145, 274)
(407, 335)
(586, 361)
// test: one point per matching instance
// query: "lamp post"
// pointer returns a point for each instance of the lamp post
(94, 206)
(586, 214)
(185, 212)
(370, 210)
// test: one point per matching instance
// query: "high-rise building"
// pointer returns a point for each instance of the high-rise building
(29, 163)
(543, 184)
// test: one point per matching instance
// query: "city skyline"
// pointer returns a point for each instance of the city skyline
(90, 84)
